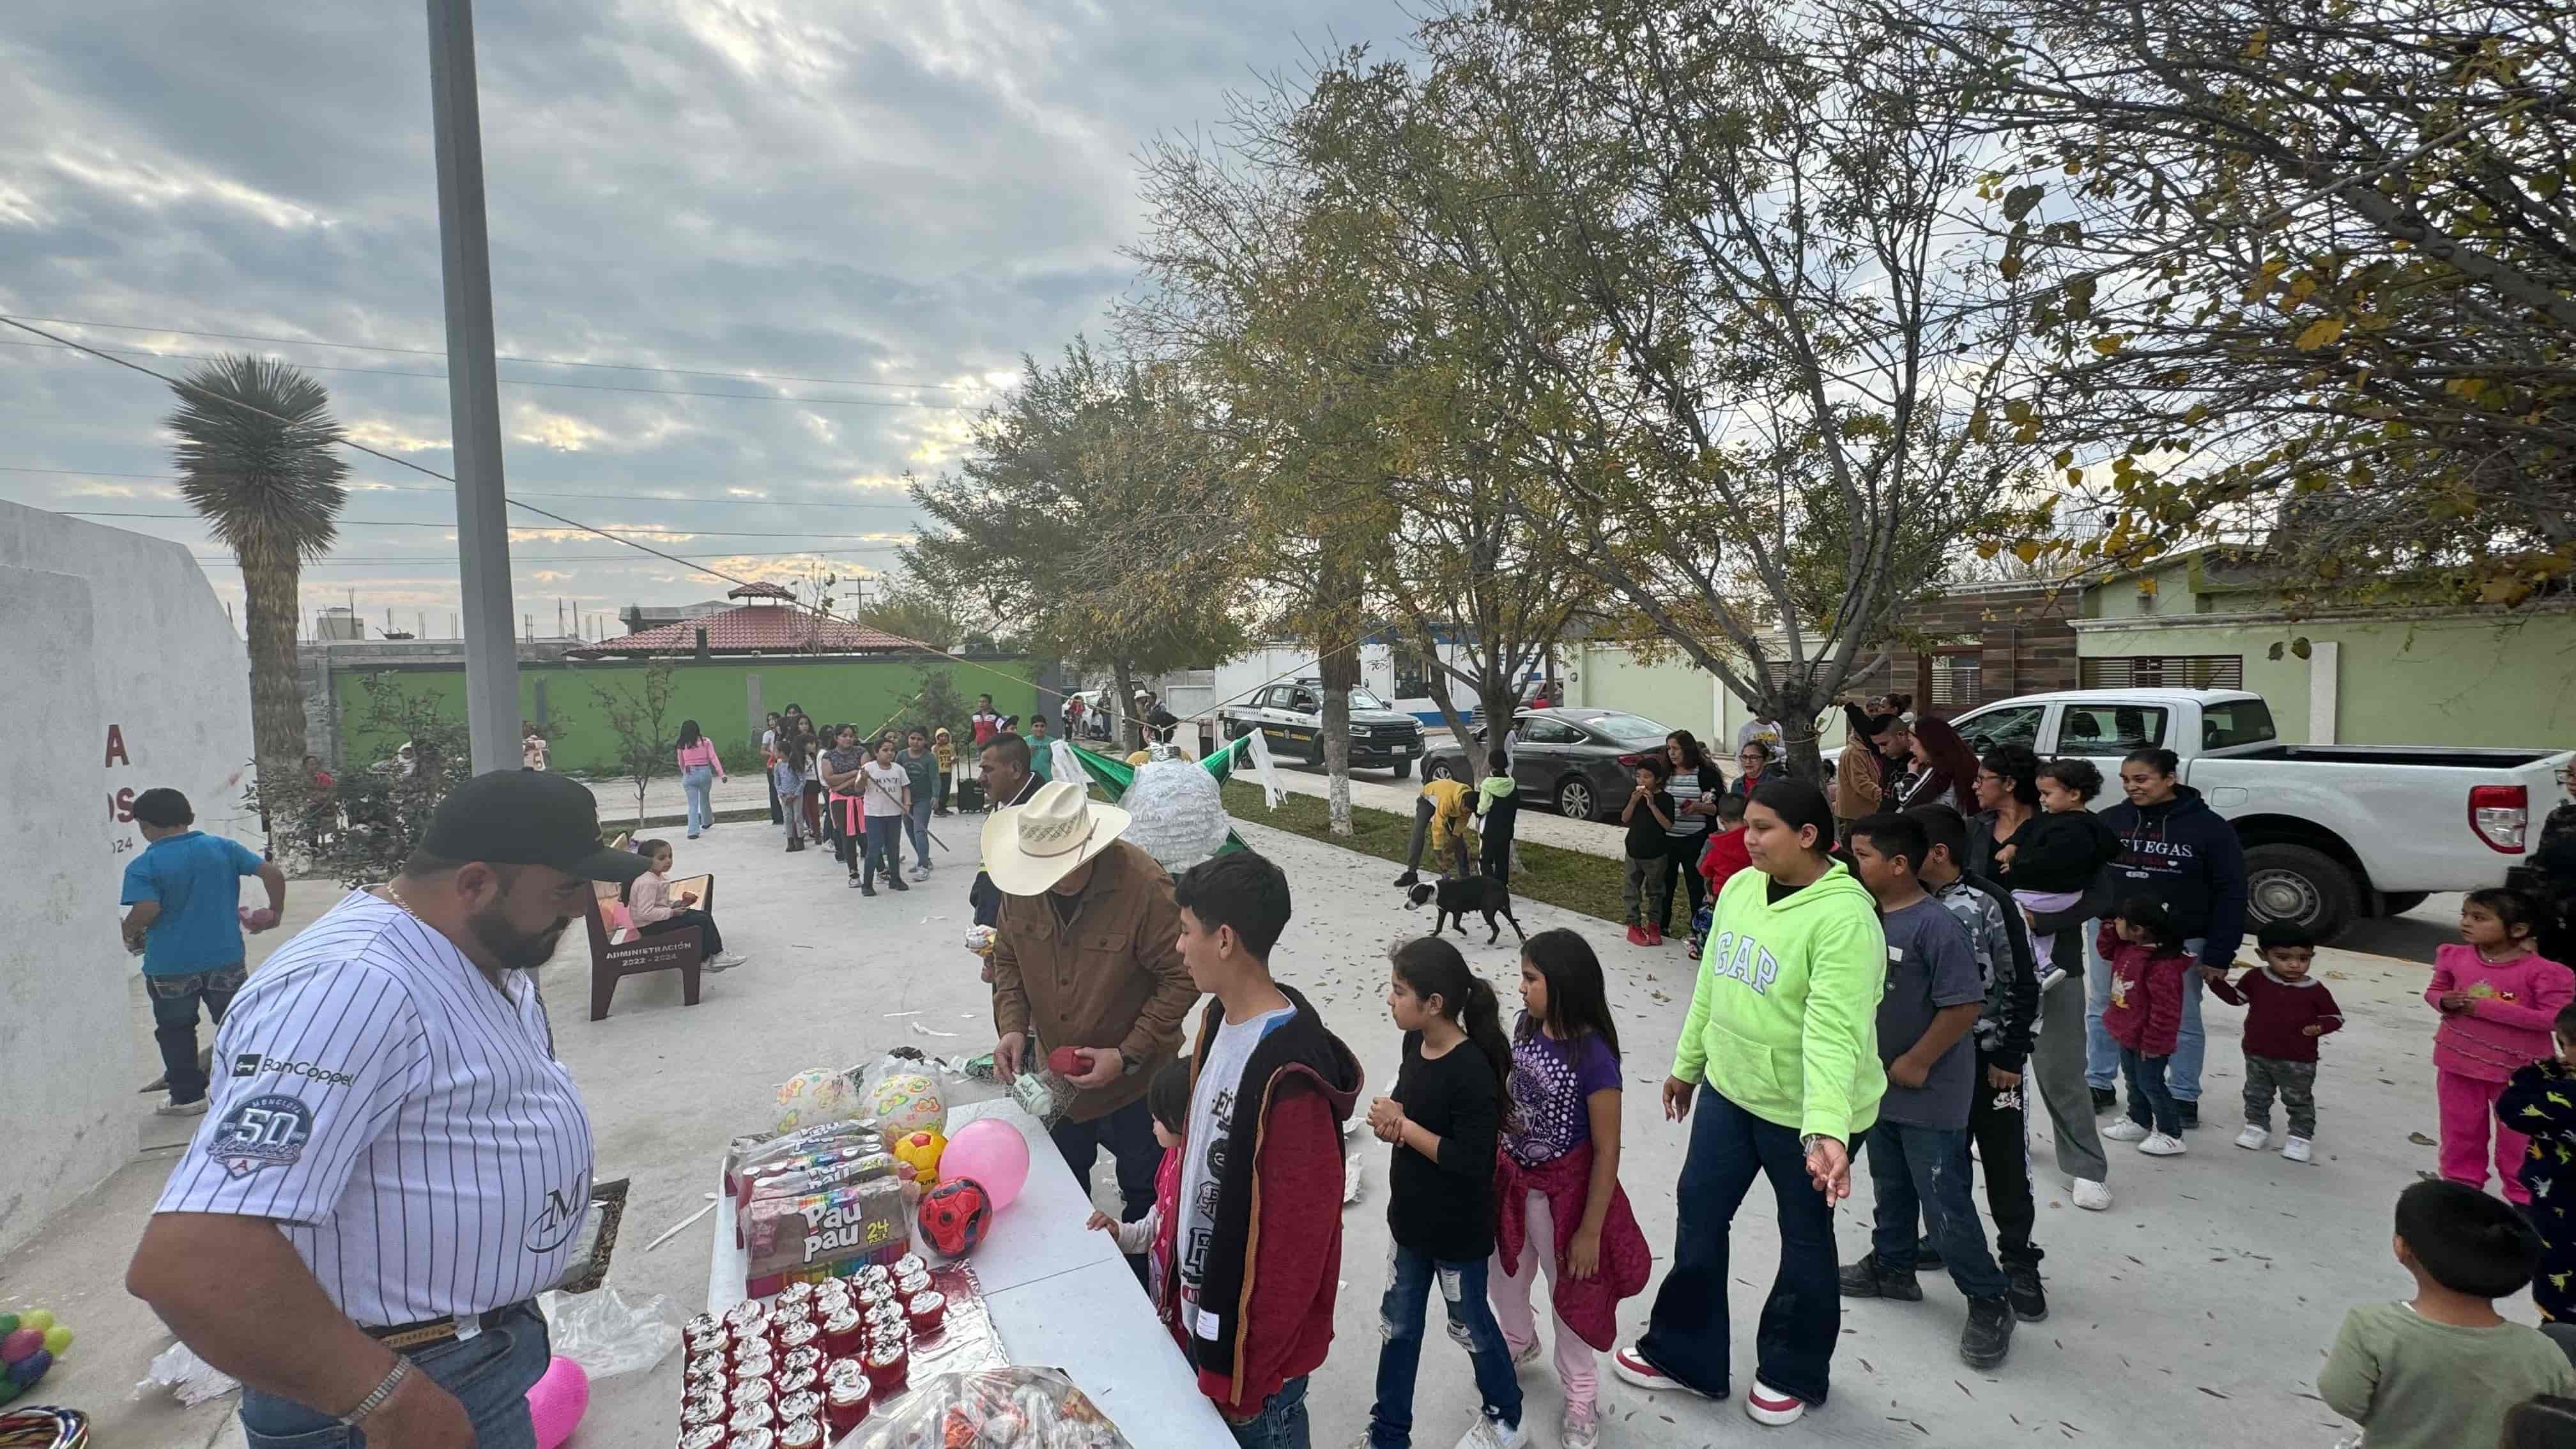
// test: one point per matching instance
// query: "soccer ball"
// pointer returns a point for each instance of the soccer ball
(812, 1098)
(954, 1216)
(906, 1103)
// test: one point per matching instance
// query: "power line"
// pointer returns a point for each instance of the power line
(411, 523)
(834, 402)
(506, 357)
(196, 389)
(371, 486)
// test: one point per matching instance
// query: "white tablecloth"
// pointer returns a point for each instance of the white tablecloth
(1061, 1297)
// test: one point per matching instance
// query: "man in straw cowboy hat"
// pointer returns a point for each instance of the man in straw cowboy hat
(1087, 955)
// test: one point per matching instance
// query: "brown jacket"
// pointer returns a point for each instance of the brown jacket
(1112, 977)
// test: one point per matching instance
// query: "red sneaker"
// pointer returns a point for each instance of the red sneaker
(1632, 1367)
(1654, 935)
(1636, 935)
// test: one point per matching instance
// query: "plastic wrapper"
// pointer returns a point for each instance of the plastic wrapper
(1007, 1408)
(178, 1369)
(605, 1334)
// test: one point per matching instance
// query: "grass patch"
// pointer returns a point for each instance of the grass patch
(1571, 879)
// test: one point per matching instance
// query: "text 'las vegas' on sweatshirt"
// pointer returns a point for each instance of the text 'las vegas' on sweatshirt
(2186, 855)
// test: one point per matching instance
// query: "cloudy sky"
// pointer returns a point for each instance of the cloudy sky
(896, 198)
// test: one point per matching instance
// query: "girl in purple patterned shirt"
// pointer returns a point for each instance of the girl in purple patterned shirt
(1557, 1197)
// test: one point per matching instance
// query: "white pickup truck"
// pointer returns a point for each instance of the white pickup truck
(2331, 832)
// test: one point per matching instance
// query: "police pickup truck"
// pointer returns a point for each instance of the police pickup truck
(1291, 717)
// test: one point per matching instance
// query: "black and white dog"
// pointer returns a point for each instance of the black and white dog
(1458, 895)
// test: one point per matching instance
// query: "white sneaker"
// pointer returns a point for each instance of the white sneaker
(2296, 1149)
(1526, 1354)
(2092, 1196)
(2253, 1138)
(172, 1108)
(1764, 1404)
(1582, 1428)
(2125, 1130)
(725, 962)
(1486, 1434)
(2159, 1145)
(1632, 1367)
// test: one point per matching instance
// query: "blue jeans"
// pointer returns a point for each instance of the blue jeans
(1409, 1276)
(2102, 1054)
(1920, 1174)
(1281, 1424)
(884, 847)
(917, 825)
(695, 782)
(1793, 1345)
(489, 1373)
(2151, 1098)
(174, 1023)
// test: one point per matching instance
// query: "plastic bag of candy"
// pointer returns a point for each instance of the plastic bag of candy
(1011, 1408)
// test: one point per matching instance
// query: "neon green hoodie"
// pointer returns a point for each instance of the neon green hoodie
(1784, 1018)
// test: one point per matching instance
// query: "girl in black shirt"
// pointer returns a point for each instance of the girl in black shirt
(1444, 1120)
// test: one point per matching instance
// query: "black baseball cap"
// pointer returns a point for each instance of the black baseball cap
(527, 817)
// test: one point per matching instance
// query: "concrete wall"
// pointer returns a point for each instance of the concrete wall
(726, 696)
(2449, 678)
(123, 673)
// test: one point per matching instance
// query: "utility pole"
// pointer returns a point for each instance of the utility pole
(473, 393)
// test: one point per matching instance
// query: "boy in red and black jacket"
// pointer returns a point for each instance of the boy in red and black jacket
(1257, 1247)
(2286, 1011)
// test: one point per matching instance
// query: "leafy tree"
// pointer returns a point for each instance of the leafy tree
(1074, 521)
(1751, 363)
(258, 458)
(639, 715)
(2312, 275)
(377, 810)
(939, 704)
(912, 611)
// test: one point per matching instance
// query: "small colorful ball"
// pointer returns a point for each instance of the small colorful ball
(8, 1324)
(58, 1340)
(38, 1319)
(27, 1371)
(19, 1345)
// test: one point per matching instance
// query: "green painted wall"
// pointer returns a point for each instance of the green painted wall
(726, 697)
(2471, 680)
(1672, 691)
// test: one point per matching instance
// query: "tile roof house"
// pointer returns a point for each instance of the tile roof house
(771, 622)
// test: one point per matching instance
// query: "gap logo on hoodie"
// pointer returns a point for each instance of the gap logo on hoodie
(1744, 959)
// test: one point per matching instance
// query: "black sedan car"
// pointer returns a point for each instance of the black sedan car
(1581, 762)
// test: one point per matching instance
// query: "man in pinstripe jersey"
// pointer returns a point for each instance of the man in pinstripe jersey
(394, 1164)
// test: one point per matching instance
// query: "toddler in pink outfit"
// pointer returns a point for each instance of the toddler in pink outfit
(2499, 1000)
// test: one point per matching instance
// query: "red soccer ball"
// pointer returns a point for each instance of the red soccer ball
(954, 1216)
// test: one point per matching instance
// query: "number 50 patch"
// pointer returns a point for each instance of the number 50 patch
(262, 1132)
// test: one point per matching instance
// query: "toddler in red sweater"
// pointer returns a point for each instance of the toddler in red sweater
(2286, 1010)
(2144, 1016)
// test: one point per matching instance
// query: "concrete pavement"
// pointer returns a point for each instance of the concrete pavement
(2196, 1311)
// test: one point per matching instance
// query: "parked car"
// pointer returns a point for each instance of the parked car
(2332, 833)
(1581, 762)
(1291, 717)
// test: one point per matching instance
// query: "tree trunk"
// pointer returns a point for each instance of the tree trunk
(1341, 671)
(1795, 705)
(1127, 726)
(272, 609)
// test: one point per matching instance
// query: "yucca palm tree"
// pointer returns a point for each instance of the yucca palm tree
(257, 456)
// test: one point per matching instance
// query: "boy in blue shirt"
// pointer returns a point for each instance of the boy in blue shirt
(186, 923)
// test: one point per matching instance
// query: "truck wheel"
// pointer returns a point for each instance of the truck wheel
(2297, 884)
(1574, 799)
(1315, 750)
(1403, 769)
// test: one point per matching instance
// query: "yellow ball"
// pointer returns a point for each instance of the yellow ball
(38, 1319)
(57, 1340)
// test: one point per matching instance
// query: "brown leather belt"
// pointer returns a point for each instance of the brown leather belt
(429, 1332)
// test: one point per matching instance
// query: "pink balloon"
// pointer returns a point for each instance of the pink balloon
(557, 1401)
(992, 1152)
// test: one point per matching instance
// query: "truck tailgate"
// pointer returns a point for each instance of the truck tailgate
(2408, 822)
